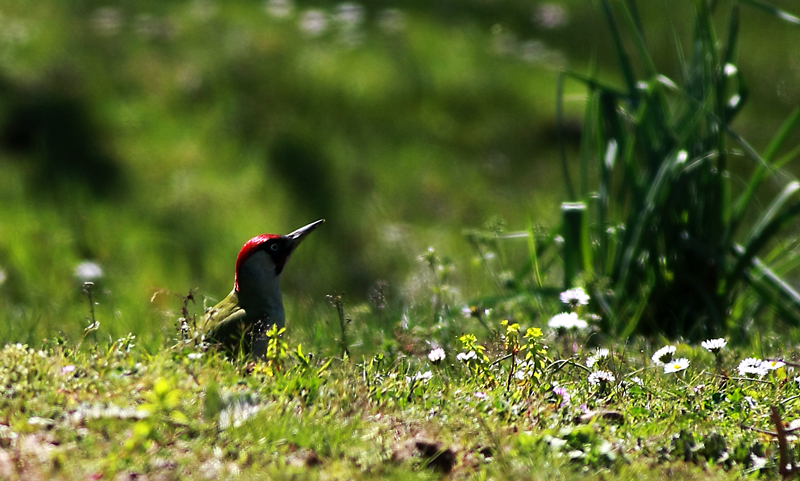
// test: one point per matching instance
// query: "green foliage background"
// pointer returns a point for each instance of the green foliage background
(154, 138)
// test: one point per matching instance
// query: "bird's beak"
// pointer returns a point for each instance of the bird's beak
(297, 236)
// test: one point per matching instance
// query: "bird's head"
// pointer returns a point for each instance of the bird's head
(268, 253)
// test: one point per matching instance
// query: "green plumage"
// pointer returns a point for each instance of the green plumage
(227, 325)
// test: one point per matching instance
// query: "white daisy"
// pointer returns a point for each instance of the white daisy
(474, 311)
(466, 356)
(436, 355)
(772, 365)
(758, 462)
(714, 345)
(676, 365)
(597, 356)
(751, 366)
(663, 355)
(575, 297)
(567, 320)
(599, 377)
(420, 376)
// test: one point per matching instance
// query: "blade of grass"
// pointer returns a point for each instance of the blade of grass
(534, 256)
(622, 55)
(774, 208)
(771, 289)
(606, 168)
(776, 12)
(759, 238)
(633, 321)
(764, 168)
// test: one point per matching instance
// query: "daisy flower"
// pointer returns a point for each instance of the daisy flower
(714, 345)
(566, 321)
(676, 365)
(758, 462)
(420, 376)
(474, 311)
(575, 297)
(772, 365)
(751, 366)
(663, 355)
(563, 394)
(597, 356)
(466, 356)
(436, 355)
(599, 378)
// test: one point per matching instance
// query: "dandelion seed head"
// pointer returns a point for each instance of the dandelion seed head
(88, 271)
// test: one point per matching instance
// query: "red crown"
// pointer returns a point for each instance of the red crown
(247, 250)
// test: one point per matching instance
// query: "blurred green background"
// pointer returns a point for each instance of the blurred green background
(151, 139)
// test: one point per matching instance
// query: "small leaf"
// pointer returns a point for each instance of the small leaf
(178, 417)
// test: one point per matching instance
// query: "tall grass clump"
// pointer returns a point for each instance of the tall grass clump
(673, 238)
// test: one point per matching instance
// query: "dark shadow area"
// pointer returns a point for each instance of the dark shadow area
(51, 128)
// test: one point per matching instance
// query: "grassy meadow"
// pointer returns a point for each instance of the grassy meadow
(474, 162)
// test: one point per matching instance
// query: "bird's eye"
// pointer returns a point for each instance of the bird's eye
(273, 247)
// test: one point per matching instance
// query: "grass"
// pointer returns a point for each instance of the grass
(117, 411)
(169, 133)
(413, 136)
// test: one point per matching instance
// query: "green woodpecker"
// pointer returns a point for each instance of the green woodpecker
(239, 321)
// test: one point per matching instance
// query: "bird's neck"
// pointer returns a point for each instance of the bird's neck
(260, 289)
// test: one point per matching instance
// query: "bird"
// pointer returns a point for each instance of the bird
(238, 323)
